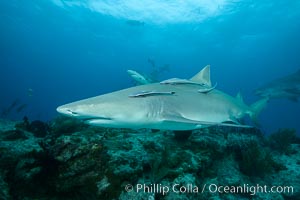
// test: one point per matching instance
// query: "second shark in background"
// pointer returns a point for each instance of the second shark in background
(285, 87)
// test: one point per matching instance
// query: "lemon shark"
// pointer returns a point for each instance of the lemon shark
(174, 104)
(285, 87)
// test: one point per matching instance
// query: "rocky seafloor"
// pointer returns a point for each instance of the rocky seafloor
(65, 159)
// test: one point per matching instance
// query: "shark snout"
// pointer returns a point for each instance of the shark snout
(66, 111)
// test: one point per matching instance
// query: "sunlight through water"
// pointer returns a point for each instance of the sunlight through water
(155, 11)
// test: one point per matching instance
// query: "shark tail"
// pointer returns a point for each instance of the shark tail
(256, 108)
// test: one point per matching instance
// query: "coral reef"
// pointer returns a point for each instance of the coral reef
(282, 140)
(263, 163)
(65, 159)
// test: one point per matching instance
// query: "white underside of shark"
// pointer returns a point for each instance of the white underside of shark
(169, 105)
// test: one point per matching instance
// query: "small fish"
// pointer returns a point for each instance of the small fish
(150, 93)
(21, 107)
(30, 92)
(12, 106)
(135, 23)
(152, 62)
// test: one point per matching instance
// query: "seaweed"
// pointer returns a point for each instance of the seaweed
(282, 140)
(257, 161)
(157, 164)
(182, 136)
(12, 135)
(38, 128)
(64, 125)
(157, 71)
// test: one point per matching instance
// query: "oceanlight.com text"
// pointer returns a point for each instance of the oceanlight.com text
(211, 188)
(252, 190)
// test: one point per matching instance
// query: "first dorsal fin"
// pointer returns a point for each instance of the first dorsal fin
(203, 76)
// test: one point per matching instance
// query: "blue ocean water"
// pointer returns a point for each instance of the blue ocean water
(54, 52)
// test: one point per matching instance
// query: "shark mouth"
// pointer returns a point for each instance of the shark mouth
(86, 119)
(90, 119)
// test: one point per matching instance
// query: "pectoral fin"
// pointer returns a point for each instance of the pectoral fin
(179, 119)
(177, 122)
(182, 120)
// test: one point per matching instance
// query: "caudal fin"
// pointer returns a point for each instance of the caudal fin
(256, 108)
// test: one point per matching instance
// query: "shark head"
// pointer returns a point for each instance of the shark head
(277, 92)
(284, 87)
(106, 110)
